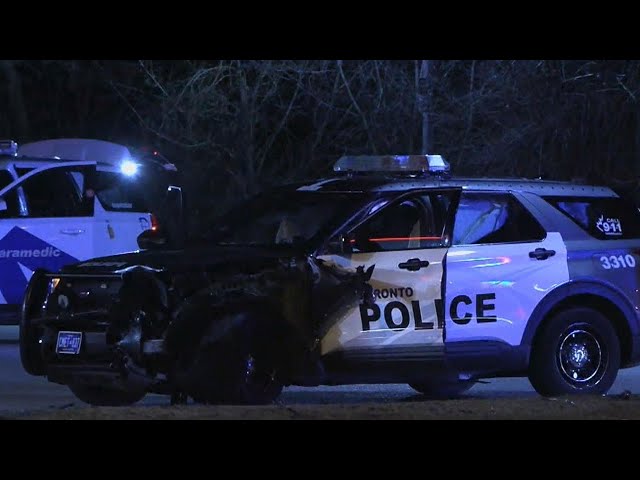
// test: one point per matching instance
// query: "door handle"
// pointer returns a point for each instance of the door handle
(413, 264)
(541, 253)
(72, 231)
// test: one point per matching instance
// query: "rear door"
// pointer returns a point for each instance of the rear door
(122, 212)
(499, 267)
(406, 240)
(47, 223)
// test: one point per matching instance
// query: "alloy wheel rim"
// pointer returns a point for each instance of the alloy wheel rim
(582, 357)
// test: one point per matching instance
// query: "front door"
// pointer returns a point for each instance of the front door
(499, 267)
(406, 240)
(47, 223)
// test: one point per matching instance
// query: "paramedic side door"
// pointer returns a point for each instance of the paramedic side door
(406, 239)
(47, 224)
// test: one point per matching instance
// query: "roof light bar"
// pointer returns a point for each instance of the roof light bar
(8, 147)
(392, 163)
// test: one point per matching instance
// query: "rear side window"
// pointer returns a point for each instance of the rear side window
(484, 218)
(605, 218)
(119, 193)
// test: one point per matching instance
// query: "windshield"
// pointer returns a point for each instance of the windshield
(299, 218)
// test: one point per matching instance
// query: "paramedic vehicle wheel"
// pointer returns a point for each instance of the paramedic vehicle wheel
(578, 351)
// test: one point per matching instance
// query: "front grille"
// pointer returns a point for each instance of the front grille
(81, 303)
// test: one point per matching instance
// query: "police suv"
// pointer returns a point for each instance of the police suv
(66, 200)
(390, 271)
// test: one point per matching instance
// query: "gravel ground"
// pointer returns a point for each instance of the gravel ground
(566, 408)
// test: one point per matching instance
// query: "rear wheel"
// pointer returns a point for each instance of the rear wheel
(104, 396)
(576, 352)
(443, 388)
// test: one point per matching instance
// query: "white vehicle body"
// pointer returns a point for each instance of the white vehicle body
(50, 214)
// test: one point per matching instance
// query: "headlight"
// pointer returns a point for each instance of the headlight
(53, 284)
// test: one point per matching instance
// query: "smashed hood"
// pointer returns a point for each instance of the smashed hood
(190, 259)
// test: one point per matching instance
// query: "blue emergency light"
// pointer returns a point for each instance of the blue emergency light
(8, 147)
(129, 168)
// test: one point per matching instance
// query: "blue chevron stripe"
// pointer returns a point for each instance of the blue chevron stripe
(20, 247)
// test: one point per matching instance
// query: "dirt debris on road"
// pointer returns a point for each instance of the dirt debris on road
(564, 408)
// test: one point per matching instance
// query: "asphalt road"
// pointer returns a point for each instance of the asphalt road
(20, 392)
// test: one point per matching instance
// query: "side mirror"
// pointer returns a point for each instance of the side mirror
(3, 205)
(152, 239)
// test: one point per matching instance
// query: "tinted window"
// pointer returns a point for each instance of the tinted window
(13, 204)
(119, 193)
(484, 218)
(413, 223)
(5, 178)
(605, 218)
(285, 218)
(54, 193)
(23, 171)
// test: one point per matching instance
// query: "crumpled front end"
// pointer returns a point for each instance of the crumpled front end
(141, 328)
(78, 328)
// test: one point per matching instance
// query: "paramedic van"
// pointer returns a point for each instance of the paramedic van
(66, 200)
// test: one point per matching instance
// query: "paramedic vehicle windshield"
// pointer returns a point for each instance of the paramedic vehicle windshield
(67, 200)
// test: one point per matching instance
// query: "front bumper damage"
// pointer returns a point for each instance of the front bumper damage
(135, 324)
(87, 304)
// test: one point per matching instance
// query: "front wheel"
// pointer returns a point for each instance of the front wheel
(243, 377)
(576, 352)
(105, 397)
(243, 368)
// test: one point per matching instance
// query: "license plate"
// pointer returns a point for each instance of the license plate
(69, 343)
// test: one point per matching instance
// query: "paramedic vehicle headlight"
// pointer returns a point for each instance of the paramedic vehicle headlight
(129, 168)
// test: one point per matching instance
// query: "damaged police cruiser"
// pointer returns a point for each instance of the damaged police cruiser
(389, 271)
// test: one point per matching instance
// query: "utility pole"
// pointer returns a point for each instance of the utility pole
(422, 101)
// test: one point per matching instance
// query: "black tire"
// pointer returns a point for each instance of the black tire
(29, 335)
(443, 389)
(105, 397)
(240, 369)
(577, 351)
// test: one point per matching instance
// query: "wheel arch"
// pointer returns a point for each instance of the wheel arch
(202, 315)
(141, 282)
(600, 296)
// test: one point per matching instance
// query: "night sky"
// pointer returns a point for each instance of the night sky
(235, 127)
